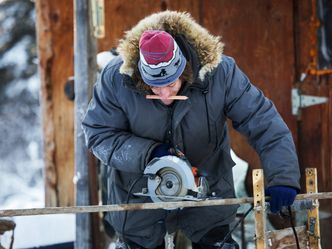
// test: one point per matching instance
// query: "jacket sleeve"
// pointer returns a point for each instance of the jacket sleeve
(256, 117)
(107, 131)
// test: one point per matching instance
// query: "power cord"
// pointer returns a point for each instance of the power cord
(235, 226)
(246, 214)
(290, 216)
(293, 227)
(127, 201)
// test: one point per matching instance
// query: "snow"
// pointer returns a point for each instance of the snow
(239, 173)
(17, 55)
(16, 88)
(103, 58)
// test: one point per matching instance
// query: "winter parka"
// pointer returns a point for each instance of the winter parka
(122, 127)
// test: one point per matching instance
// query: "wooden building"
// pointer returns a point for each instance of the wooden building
(274, 42)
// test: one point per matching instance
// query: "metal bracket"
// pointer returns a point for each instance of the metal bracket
(98, 18)
(301, 101)
(311, 226)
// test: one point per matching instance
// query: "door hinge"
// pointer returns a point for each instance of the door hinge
(300, 101)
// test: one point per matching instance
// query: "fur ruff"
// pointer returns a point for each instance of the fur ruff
(209, 47)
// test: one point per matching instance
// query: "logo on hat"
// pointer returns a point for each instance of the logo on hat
(161, 60)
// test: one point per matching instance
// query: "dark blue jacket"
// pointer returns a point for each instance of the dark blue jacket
(122, 127)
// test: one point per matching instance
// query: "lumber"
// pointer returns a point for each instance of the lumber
(313, 214)
(259, 204)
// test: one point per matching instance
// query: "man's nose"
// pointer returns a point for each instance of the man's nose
(165, 92)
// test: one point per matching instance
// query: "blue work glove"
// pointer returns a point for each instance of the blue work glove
(161, 150)
(280, 196)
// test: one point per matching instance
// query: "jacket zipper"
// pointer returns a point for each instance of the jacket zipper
(205, 91)
(170, 130)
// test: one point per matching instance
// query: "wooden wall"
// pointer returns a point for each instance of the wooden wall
(315, 123)
(55, 52)
(270, 41)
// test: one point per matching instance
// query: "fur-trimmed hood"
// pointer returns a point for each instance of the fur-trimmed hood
(209, 48)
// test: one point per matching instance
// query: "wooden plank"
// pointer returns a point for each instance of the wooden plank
(194, 7)
(259, 35)
(118, 20)
(54, 35)
(313, 214)
(259, 207)
(315, 137)
(121, 16)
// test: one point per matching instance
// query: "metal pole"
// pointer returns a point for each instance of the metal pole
(84, 54)
(145, 206)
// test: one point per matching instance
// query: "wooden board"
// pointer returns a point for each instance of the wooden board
(259, 35)
(259, 207)
(55, 49)
(122, 16)
(313, 214)
(314, 125)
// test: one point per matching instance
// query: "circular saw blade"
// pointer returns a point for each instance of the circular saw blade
(172, 178)
(171, 184)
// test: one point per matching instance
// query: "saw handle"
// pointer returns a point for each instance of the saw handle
(161, 150)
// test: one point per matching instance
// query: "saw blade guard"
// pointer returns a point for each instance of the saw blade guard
(169, 176)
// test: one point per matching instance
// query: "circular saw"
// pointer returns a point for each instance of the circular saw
(171, 178)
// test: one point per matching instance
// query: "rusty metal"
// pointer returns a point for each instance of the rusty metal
(312, 68)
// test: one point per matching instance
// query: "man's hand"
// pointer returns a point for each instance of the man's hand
(161, 150)
(280, 196)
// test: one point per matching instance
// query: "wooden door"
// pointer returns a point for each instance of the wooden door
(274, 42)
(315, 122)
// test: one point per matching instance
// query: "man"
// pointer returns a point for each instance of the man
(168, 54)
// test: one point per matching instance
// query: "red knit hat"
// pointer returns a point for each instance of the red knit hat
(161, 60)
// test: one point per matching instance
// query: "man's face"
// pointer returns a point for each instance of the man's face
(167, 91)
